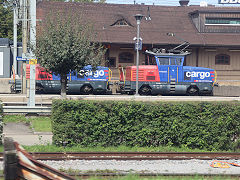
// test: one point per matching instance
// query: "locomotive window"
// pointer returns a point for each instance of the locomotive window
(179, 61)
(172, 62)
(222, 59)
(163, 61)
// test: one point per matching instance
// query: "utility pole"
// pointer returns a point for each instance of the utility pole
(24, 43)
(138, 17)
(15, 22)
(32, 12)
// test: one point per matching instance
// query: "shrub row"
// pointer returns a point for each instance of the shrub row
(1, 122)
(204, 125)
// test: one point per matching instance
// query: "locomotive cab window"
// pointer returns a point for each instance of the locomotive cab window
(222, 59)
(170, 61)
(163, 61)
(179, 61)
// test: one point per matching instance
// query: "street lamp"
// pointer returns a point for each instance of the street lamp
(138, 17)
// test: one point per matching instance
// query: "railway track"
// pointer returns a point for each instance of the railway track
(132, 156)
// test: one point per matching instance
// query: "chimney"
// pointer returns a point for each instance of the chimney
(183, 2)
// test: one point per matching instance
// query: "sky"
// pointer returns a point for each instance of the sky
(165, 2)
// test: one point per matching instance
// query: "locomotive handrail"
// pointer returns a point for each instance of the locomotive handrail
(110, 74)
(215, 79)
(166, 54)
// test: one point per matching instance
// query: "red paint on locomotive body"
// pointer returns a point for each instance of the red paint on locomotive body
(145, 73)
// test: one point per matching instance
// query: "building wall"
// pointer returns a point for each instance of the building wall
(5, 63)
(114, 52)
(229, 72)
(226, 74)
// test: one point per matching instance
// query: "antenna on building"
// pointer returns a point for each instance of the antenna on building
(183, 2)
(148, 17)
(203, 4)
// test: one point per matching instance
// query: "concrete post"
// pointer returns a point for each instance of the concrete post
(15, 22)
(31, 100)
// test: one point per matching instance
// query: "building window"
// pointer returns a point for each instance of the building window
(222, 59)
(126, 57)
(120, 22)
(222, 21)
(111, 62)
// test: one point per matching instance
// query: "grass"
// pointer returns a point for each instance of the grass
(135, 177)
(53, 148)
(39, 124)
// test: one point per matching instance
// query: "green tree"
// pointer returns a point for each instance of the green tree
(6, 21)
(64, 46)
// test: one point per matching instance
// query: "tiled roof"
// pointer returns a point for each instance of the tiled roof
(164, 19)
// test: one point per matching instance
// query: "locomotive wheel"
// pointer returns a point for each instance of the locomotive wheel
(86, 89)
(39, 89)
(192, 91)
(145, 91)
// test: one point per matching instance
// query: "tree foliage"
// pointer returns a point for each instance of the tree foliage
(64, 46)
(6, 21)
(202, 125)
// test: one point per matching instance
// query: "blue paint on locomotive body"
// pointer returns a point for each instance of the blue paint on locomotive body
(175, 78)
(95, 81)
(171, 67)
(87, 74)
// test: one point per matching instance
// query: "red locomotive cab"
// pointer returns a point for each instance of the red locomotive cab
(145, 73)
(41, 73)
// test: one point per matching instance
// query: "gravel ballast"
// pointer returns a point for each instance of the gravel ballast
(155, 166)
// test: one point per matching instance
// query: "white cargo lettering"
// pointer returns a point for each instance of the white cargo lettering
(202, 75)
(99, 73)
(81, 72)
(90, 73)
(229, 1)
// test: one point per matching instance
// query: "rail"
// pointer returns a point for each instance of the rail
(57, 156)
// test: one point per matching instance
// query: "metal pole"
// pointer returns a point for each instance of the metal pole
(137, 61)
(24, 27)
(15, 22)
(33, 24)
(31, 100)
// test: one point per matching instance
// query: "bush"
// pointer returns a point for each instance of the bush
(211, 126)
(1, 122)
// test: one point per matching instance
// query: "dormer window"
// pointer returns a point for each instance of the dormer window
(216, 21)
(222, 21)
(121, 22)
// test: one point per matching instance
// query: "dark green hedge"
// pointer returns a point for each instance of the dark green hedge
(211, 126)
(1, 122)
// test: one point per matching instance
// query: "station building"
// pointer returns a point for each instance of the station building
(212, 31)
